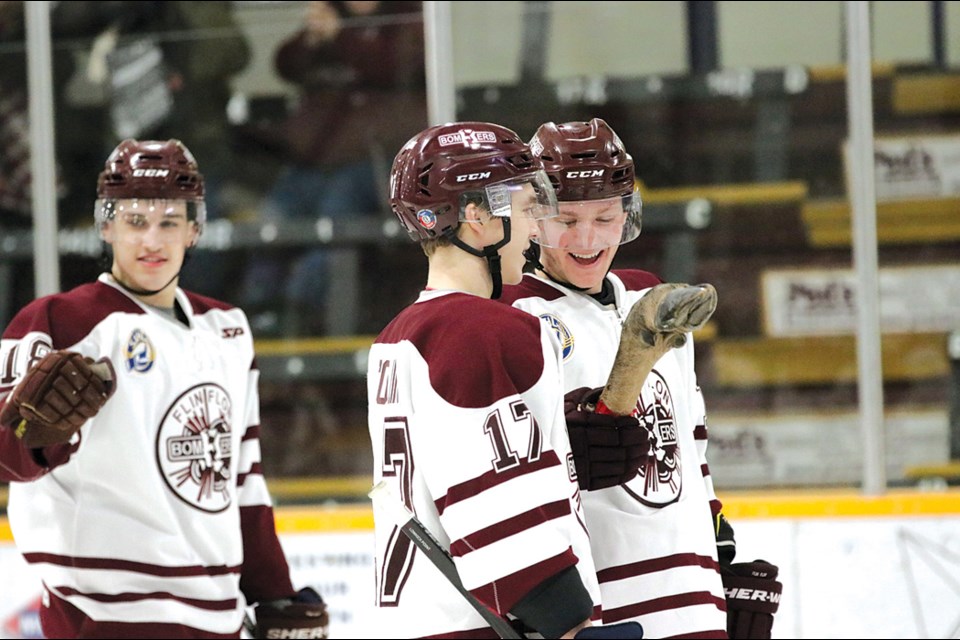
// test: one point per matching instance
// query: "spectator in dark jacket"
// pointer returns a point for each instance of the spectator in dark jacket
(360, 68)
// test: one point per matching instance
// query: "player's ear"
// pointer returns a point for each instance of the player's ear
(474, 214)
(106, 232)
(193, 235)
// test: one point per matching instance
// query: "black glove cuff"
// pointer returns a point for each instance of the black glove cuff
(556, 605)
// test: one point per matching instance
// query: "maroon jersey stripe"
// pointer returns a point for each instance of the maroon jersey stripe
(116, 564)
(209, 605)
(255, 470)
(63, 620)
(509, 527)
(490, 479)
(665, 603)
(656, 564)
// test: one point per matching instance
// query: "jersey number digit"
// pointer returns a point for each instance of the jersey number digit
(9, 375)
(505, 457)
(398, 559)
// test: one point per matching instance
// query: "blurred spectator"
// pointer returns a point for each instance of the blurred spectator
(14, 134)
(360, 67)
(15, 170)
(16, 209)
(203, 49)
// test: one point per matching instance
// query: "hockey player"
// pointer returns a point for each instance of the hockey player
(655, 548)
(129, 432)
(466, 408)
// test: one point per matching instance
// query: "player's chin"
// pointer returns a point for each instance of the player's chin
(151, 281)
(511, 276)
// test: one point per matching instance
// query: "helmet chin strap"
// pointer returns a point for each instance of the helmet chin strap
(145, 292)
(492, 253)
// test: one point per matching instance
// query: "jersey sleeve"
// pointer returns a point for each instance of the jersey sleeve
(26, 340)
(699, 413)
(265, 574)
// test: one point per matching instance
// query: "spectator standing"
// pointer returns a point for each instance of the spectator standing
(360, 70)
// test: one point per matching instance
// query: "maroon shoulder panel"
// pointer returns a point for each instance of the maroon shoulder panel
(637, 280)
(478, 350)
(68, 317)
(202, 304)
(529, 287)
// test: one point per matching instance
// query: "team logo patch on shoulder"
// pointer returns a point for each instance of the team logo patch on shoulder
(194, 447)
(563, 333)
(426, 218)
(139, 353)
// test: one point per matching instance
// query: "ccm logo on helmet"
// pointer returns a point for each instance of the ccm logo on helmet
(593, 173)
(151, 173)
(483, 175)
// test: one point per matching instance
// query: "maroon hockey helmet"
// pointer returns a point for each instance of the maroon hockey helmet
(438, 171)
(586, 161)
(150, 169)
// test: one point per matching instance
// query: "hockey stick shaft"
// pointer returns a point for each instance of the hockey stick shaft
(411, 526)
(249, 625)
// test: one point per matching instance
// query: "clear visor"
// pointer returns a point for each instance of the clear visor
(592, 225)
(531, 196)
(142, 211)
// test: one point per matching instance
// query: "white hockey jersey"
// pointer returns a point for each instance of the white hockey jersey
(466, 422)
(652, 537)
(157, 508)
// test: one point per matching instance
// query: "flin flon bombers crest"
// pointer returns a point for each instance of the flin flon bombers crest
(194, 447)
(661, 476)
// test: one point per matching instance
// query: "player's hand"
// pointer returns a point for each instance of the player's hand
(302, 616)
(753, 596)
(56, 397)
(607, 450)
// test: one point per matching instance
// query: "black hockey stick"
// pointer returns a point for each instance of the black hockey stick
(440, 557)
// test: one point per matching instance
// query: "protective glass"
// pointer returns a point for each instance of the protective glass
(531, 196)
(592, 225)
(108, 209)
(169, 220)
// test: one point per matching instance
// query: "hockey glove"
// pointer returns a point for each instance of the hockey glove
(303, 616)
(621, 630)
(56, 397)
(670, 310)
(753, 596)
(607, 449)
